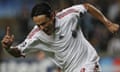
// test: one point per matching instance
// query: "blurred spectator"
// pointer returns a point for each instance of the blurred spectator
(117, 20)
(99, 38)
(114, 47)
(114, 10)
(116, 63)
(23, 20)
(41, 55)
(107, 64)
(46, 63)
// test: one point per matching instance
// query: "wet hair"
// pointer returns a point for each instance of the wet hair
(41, 9)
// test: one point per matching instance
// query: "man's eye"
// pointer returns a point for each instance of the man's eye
(42, 24)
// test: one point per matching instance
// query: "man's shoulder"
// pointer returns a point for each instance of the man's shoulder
(66, 12)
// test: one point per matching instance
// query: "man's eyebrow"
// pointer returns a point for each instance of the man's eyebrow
(38, 24)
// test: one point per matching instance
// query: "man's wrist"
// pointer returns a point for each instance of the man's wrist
(7, 48)
(14, 51)
(107, 23)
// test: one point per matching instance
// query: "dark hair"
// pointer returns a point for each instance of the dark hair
(41, 9)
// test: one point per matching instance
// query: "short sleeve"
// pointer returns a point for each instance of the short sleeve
(80, 8)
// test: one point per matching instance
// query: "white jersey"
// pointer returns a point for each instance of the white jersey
(72, 51)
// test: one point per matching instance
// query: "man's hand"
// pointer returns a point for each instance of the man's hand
(112, 27)
(8, 39)
(7, 42)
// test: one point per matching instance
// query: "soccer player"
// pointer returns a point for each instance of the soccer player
(61, 34)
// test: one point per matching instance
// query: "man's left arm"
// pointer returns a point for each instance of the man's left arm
(112, 27)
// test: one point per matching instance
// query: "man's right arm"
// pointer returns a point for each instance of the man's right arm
(7, 42)
(112, 27)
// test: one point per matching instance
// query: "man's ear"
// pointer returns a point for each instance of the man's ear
(53, 15)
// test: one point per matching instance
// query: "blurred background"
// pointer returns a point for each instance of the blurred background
(16, 14)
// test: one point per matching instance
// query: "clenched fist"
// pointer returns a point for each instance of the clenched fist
(112, 27)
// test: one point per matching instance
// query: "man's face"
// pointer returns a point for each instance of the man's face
(42, 21)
